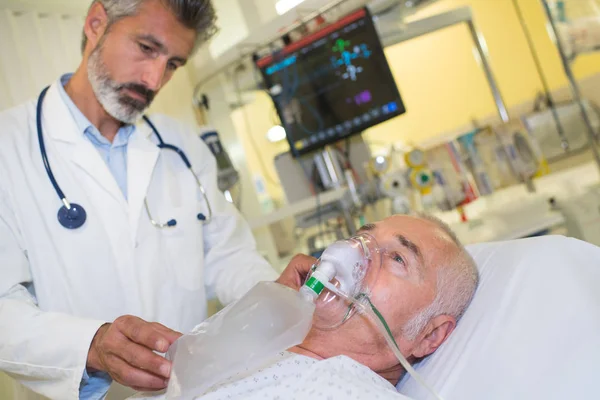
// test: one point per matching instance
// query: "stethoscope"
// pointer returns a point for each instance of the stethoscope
(73, 216)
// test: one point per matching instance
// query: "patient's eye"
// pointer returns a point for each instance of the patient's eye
(398, 258)
(397, 264)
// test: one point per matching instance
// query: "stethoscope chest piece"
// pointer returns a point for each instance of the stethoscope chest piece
(72, 218)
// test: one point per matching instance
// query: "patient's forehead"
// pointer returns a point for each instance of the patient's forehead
(428, 237)
(411, 227)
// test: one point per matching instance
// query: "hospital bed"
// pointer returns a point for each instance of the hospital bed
(532, 330)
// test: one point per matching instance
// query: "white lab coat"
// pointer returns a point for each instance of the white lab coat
(57, 286)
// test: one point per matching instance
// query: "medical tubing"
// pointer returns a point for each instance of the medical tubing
(376, 316)
(38, 121)
(162, 145)
(158, 136)
(383, 327)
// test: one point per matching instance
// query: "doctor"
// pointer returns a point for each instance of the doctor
(113, 232)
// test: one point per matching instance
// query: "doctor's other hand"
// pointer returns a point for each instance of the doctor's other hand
(295, 273)
(125, 350)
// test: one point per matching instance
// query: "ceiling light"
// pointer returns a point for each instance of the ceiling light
(276, 134)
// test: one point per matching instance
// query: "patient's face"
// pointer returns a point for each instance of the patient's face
(407, 281)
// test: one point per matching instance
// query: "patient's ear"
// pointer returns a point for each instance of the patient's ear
(435, 333)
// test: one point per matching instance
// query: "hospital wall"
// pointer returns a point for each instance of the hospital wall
(441, 82)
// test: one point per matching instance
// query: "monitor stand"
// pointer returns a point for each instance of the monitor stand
(333, 177)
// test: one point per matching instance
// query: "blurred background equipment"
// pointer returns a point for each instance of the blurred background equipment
(575, 26)
(314, 175)
(331, 81)
(227, 174)
(395, 186)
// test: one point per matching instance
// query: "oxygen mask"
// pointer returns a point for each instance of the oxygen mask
(340, 284)
(346, 269)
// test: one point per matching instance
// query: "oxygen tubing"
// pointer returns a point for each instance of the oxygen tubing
(370, 310)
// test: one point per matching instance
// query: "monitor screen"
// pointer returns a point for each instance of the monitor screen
(331, 84)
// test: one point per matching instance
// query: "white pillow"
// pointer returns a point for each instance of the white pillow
(532, 330)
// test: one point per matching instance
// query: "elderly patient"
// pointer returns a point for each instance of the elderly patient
(426, 281)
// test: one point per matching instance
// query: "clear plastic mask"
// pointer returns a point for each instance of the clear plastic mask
(354, 264)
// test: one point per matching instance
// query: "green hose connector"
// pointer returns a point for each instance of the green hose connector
(315, 285)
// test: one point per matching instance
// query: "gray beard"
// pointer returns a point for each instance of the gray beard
(122, 108)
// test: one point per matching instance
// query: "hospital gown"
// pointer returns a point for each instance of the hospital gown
(294, 376)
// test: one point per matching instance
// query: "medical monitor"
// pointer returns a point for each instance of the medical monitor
(331, 84)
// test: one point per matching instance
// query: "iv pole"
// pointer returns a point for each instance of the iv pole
(573, 83)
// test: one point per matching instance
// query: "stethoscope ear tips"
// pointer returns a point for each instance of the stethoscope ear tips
(73, 217)
(171, 222)
(201, 217)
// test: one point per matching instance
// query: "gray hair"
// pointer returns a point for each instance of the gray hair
(199, 15)
(457, 281)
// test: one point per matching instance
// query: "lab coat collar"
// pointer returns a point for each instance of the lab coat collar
(58, 121)
(59, 126)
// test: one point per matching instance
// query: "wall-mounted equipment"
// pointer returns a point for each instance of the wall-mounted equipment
(331, 84)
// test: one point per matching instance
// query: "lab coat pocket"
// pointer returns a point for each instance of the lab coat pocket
(184, 246)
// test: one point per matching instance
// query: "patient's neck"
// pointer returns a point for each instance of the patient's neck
(301, 349)
(322, 345)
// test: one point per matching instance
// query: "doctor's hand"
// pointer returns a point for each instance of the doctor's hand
(295, 273)
(125, 349)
